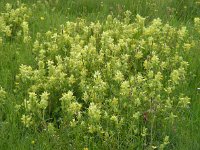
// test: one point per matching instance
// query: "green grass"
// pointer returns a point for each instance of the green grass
(14, 53)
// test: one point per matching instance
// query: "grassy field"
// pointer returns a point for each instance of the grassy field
(52, 14)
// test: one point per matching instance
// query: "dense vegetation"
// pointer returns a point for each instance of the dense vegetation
(89, 74)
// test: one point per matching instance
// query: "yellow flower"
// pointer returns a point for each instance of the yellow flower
(41, 18)
(26, 120)
(2, 95)
(94, 112)
(33, 142)
(187, 46)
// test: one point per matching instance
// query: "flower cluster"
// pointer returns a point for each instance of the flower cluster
(107, 78)
(197, 24)
(2, 96)
(15, 22)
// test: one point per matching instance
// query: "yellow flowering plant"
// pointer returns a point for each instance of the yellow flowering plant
(14, 22)
(3, 96)
(197, 24)
(110, 79)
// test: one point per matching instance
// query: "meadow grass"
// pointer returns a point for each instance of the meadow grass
(13, 54)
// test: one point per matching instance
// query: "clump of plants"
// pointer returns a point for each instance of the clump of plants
(14, 22)
(114, 82)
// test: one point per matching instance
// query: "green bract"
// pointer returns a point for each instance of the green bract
(111, 79)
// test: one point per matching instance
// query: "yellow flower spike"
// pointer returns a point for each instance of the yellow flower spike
(94, 112)
(139, 55)
(140, 20)
(197, 21)
(2, 95)
(114, 118)
(44, 100)
(26, 120)
(119, 76)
